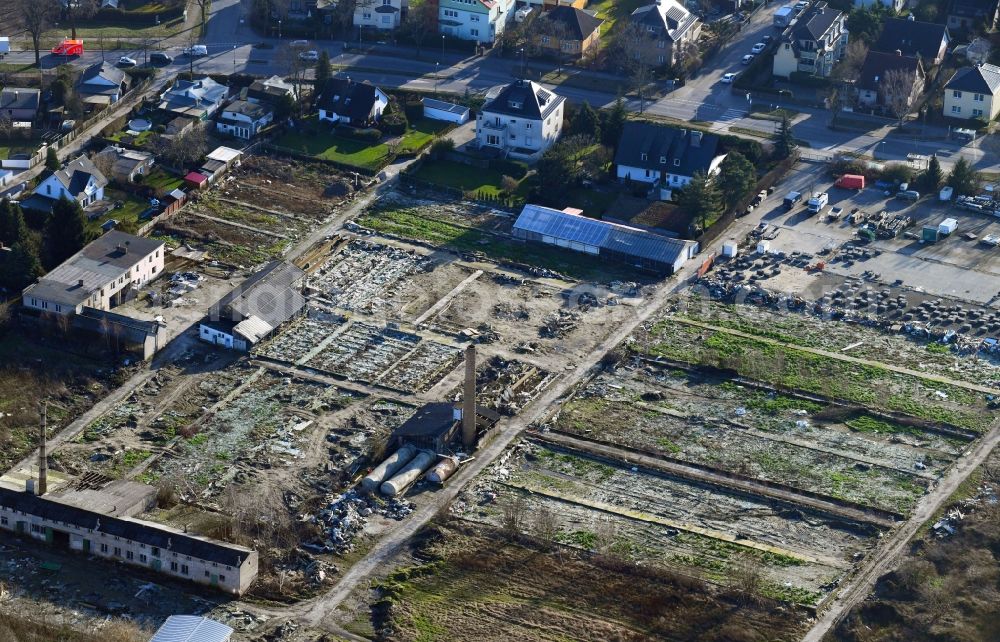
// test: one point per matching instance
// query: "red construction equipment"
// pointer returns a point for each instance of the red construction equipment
(69, 47)
(851, 181)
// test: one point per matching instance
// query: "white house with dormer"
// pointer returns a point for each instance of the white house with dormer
(79, 181)
(522, 120)
(244, 119)
(379, 14)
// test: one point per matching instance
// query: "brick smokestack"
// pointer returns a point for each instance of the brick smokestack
(43, 460)
(469, 399)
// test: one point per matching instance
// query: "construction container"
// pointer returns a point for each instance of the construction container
(851, 181)
(388, 468)
(947, 226)
(929, 234)
(409, 474)
(730, 249)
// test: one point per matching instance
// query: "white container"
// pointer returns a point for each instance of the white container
(947, 226)
(946, 193)
(763, 247)
(730, 249)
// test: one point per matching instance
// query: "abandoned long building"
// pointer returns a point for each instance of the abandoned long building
(226, 567)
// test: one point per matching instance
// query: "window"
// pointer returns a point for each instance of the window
(129, 555)
(104, 548)
(143, 558)
(661, 44)
(385, 21)
(155, 551)
(977, 112)
(367, 15)
(474, 18)
(184, 569)
(677, 162)
(956, 94)
(545, 40)
(977, 97)
(3, 521)
(955, 109)
(643, 156)
(118, 551)
(492, 140)
(474, 32)
(661, 59)
(207, 574)
(35, 528)
(173, 566)
(663, 160)
(222, 578)
(527, 125)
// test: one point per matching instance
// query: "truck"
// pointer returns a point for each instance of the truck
(783, 16)
(791, 199)
(4, 46)
(818, 202)
(851, 181)
(69, 47)
(947, 227)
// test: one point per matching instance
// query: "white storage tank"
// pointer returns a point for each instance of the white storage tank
(409, 474)
(730, 248)
(388, 468)
(442, 470)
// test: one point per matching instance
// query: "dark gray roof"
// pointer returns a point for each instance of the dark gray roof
(877, 64)
(695, 150)
(665, 14)
(981, 79)
(386, 8)
(815, 22)
(347, 98)
(104, 70)
(20, 98)
(270, 88)
(973, 8)
(271, 294)
(601, 234)
(578, 24)
(526, 99)
(429, 420)
(135, 530)
(248, 109)
(912, 38)
(77, 173)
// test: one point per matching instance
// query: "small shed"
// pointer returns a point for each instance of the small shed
(192, 628)
(449, 112)
(227, 155)
(196, 180)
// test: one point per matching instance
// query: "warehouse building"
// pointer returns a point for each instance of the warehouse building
(632, 246)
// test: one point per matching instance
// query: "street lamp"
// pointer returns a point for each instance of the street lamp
(523, 61)
(279, 29)
(234, 59)
(442, 47)
(437, 76)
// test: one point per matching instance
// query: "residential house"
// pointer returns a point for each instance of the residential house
(101, 84)
(344, 101)
(972, 15)
(270, 90)
(814, 45)
(665, 157)
(18, 104)
(148, 545)
(973, 92)
(926, 40)
(522, 120)
(106, 272)
(877, 84)
(244, 119)
(566, 31)
(380, 14)
(480, 20)
(198, 99)
(126, 164)
(669, 28)
(254, 309)
(79, 181)
(892, 5)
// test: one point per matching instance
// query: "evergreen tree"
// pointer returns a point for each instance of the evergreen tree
(65, 230)
(19, 267)
(737, 176)
(963, 179)
(587, 122)
(932, 177)
(701, 197)
(784, 139)
(323, 70)
(612, 124)
(12, 227)
(556, 172)
(51, 159)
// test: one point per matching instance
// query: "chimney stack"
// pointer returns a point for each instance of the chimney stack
(43, 464)
(469, 399)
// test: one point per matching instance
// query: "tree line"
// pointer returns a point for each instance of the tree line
(27, 252)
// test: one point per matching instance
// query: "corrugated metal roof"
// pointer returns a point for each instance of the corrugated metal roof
(192, 628)
(602, 234)
(253, 329)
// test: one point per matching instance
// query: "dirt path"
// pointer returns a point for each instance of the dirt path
(841, 357)
(316, 612)
(858, 587)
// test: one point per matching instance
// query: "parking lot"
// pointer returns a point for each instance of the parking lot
(958, 265)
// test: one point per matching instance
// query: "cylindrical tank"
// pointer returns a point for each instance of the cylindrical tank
(388, 468)
(442, 470)
(408, 474)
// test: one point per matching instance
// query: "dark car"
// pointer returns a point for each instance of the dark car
(157, 58)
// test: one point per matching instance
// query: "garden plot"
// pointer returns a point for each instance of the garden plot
(669, 522)
(285, 225)
(304, 335)
(363, 275)
(838, 452)
(788, 368)
(261, 427)
(309, 190)
(240, 246)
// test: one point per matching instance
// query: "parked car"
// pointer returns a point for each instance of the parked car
(757, 48)
(300, 44)
(160, 58)
(196, 50)
(747, 59)
(909, 195)
(799, 6)
(309, 56)
(125, 61)
(767, 39)
(728, 78)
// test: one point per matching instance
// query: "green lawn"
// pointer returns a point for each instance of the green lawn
(421, 133)
(162, 181)
(460, 176)
(329, 146)
(127, 216)
(27, 147)
(140, 140)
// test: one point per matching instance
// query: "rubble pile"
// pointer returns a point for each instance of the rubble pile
(303, 336)
(423, 367)
(507, 385)
(345, 517)
(559, 324)
(361, 276)
(510, 312)
(364, 351)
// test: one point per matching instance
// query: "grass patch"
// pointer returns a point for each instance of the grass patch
(329, 146)
(127, 215)
(868, 424)
(593, 203)
(420, 134)
(460, 176)
(938, 348)
(162, 181)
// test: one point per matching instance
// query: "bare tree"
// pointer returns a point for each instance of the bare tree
(688, 57)
(545, 527)
(897, 89)
(203, 6)
(183, 148)
(421, 21)
(746, 577)
(512, 521)
(75, 10)
(35, 16)
(104, 161)
(632, 55)
(850, 64)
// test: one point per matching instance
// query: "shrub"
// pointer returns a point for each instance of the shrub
(160, 129)
(897, 172)
(364, 135)
(393, 121)
(441, 147)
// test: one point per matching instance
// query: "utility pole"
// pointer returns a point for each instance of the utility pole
(43, 460)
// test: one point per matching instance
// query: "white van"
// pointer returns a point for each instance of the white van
(196, 50)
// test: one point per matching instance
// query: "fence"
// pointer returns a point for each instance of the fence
(169, 211)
